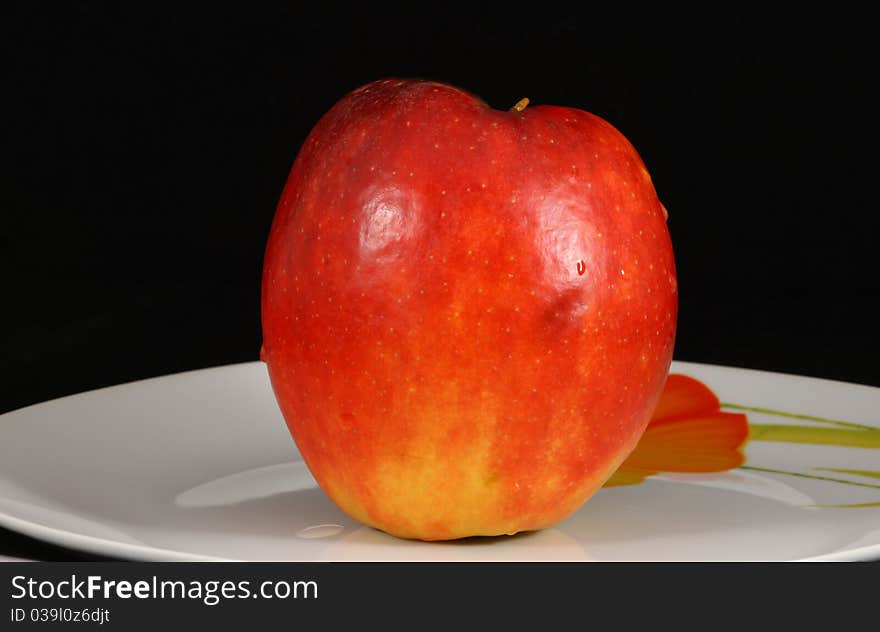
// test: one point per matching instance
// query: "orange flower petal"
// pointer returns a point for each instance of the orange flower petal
(688, 433)
(707, 443)
(626, 477)
(684, 396)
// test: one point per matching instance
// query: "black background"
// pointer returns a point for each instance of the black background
(149, 146)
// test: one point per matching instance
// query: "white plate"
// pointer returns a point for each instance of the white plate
(200, 465)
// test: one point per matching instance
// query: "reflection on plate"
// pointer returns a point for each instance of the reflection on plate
(200, 466)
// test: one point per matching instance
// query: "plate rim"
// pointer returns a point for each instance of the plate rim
(218, 367)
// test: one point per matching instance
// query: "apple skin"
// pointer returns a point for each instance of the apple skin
(468, 314)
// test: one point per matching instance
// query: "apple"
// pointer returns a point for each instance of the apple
(468, 314)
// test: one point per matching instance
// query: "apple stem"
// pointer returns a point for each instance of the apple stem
(520, 105)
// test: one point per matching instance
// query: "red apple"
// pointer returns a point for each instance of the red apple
(468, 314)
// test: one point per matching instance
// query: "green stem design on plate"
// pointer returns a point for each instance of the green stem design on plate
(810, 476)
(846, 434)
(866, 473)
(782, 413)
(816, 435)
